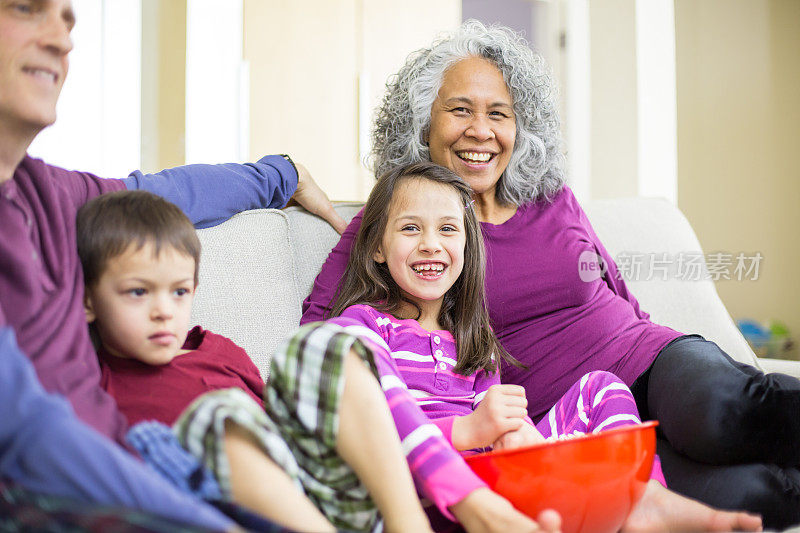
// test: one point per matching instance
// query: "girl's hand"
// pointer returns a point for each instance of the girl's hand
(486, 511)
(503, 409)
(524, 436)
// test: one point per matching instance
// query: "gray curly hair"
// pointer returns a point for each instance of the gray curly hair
(536, 168)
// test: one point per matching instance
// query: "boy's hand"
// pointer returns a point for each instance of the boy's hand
(314, 199)
(503, 409)
(524, 436)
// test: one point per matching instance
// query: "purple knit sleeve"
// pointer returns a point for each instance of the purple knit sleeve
(613, 277)
(318, 304)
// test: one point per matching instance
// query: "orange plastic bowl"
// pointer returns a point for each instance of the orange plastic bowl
(593, 481)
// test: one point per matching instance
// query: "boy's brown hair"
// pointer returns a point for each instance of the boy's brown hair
(109, 224)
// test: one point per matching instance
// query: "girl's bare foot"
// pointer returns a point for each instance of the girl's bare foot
(660, 509)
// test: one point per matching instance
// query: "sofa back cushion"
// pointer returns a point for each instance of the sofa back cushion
(248, 284)
(312, 240)
(259, 266)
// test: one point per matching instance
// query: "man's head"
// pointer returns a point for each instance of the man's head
(140, 256)
(34, 47)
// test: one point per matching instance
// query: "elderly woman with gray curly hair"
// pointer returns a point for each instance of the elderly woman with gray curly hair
(481, 103)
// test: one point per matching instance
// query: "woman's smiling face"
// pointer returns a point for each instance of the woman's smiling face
(473, 127)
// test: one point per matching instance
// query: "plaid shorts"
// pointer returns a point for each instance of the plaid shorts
(297, 426)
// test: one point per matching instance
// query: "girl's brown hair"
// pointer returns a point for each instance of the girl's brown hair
(463, 310)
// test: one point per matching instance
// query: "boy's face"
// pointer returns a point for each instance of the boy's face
(142, 303)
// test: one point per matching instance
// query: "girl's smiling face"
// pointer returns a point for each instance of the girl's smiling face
(423, 243)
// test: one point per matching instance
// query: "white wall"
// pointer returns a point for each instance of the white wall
(577, 97)
(318, 69)
(217, 84)
(632, 92)
(657, 100)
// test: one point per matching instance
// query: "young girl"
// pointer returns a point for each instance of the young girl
(413, 291)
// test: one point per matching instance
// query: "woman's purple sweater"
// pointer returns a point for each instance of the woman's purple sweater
(550, 306)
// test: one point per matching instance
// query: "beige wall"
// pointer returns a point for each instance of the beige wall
(738, 109)
(738, 73)
(163, 84)
(614, 127)
(306, 58)
(302, 87)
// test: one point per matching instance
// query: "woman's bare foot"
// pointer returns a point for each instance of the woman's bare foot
(660, 509)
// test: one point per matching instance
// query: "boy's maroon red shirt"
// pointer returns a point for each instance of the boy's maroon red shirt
(162, 392)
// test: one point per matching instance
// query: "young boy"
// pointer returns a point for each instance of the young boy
(140, 257)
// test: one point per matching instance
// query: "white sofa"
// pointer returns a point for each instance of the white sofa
(257, 268)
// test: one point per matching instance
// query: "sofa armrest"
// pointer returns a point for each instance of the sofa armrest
(780, 365)
(649, 228)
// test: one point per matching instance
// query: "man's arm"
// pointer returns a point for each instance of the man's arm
(46, 449)
(211, 194)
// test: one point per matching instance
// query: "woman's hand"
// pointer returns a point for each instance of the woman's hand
(314, 199)
(503, 409)
(486, 511)
(524, 436)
